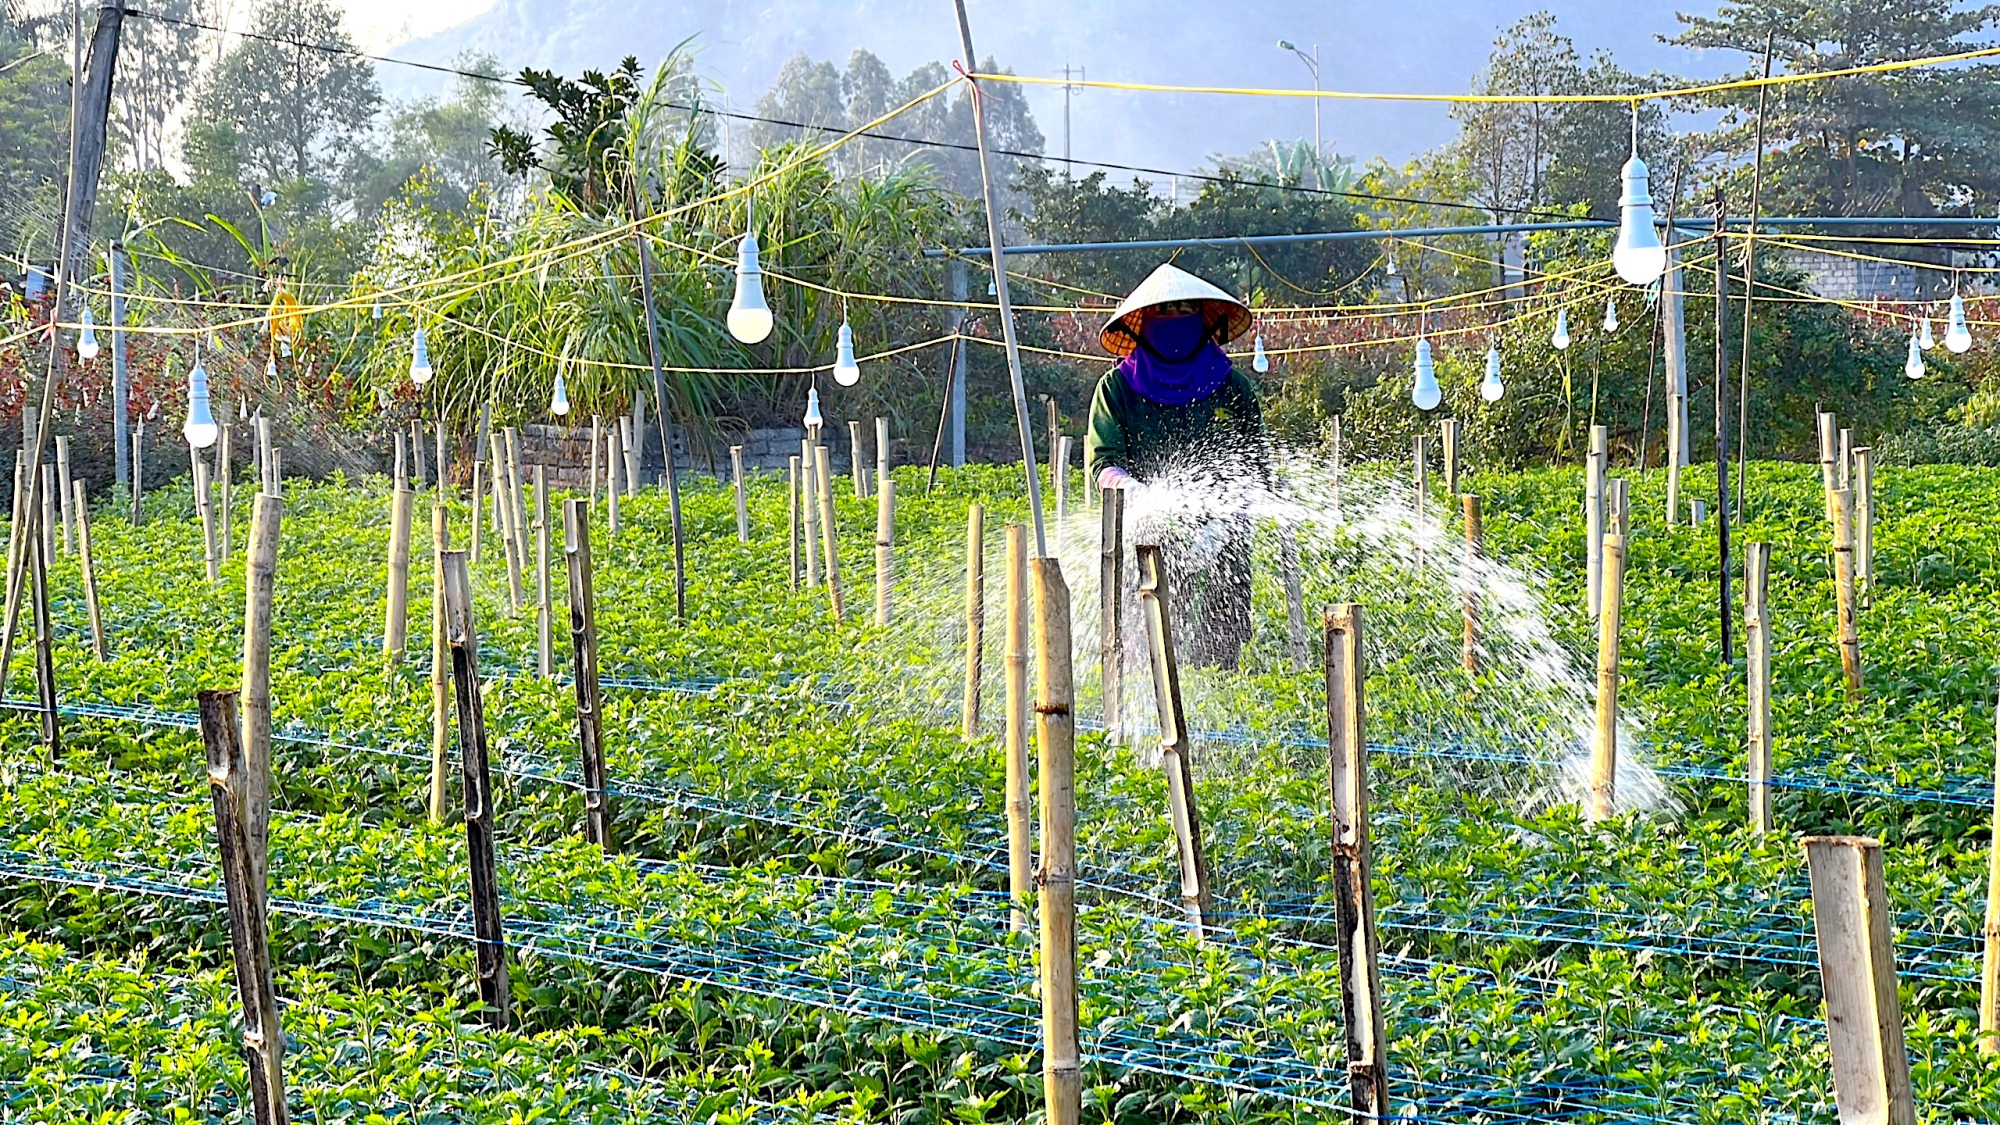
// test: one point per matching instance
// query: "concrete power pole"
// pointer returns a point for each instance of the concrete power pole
(93, 114)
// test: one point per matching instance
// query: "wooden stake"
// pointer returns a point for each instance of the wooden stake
(63, 478)
(583, 642)
(1989, 976)
(1697, 511)
(267, 461)
(1593, 519)
(396, 622)
(517, 495)
(81, 504)
(885, 548)
(17, 544)
(1020, 836)
(1419, 478)
(488, 940)
(478, 485)
(231, 781)
(742, 502)
(1182, 811)
(596, 444)
(1864, 524)
(202, 501)
(52, 516)
(792, 519)
(45, 637)
(1757, 672)
(975, 619)
(225, 468)
(1448, 440)
(1061, 1070)
(260, 579)
(1604, 743)
(1617, 508)
(138, 473)
(881, 450)
(829, 534)
(855, 463)
(1843, 579)
(1295, 597)
(544, 657)
(614, 460)
(1475, 550)
(440, 661)
(633, 447)
(809, 508)
(1059, 469)
(1857, 967)
(1334, 454)
(1829, 479)
(503, 519)
(1353, 864)
(1111, 612)
(417, 454)
(1845, 463)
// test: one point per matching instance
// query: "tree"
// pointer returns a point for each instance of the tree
(805, 92)
(292, 103)
(870, 91)
(34, 138)
(158, 62)
(452, 139)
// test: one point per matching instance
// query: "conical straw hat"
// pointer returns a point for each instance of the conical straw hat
(1164, 286)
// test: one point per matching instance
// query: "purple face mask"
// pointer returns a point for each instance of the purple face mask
(1176, 363)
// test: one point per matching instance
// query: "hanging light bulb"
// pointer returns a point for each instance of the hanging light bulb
(846, 372)
(86, 340)
(992, 287)
(749, 316)
(1957, 337)
(559, 402)
(1260, 363)
(420, 359)
(378, 310)
(812, 420)
(1559, 339)
(1392, 265)
(1924, 338)
(1610, 314)
(1914, 365)
(1491, 388)
(271, 369)
(1424, 393)
(285, 348)
(200, 429)
(1637, 255)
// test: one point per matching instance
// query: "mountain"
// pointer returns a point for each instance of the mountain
(1425, 46)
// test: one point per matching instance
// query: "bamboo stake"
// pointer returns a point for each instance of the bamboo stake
(885, 548)
(1989, 976)
(1334, 480)
(583, 642)
(1828, 479)
(1864, 524)
(201, 508)
(596, 442)
(742, 502)
(52, 517)
(63, 478)
(1295, 597)
(1604, 742)
(417, 473)
(859, 467)
(829, 529)
(1593, 519)
(1617, 507)
(508, 511)
(517, 495)
(1111, 612)
(16, 543)
(440, 661)
(1857, 966)
(225, 468)
(809, 509)
(478, 483)
(138, 515)
(1419, 482)
(231, 781)
(1182, 811)
(1843, 578)
(1059, 469)
(1697, 511)
(1846, 458)
(82, 505)
(792, 519)
(975, 619)
(488, 942)
(1448, 439)
(1475, 549)
(260, 579)
(614, 460)
(267, 456)
(881, 450)
(1353, 863)
(1757, 671)
(396, 622)
(1061, 1069)
(1020, 837)
(45, 636)
(633, 448)
(544, 643)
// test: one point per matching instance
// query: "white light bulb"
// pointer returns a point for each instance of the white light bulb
(749, 316)
(86, 340)
(1924, 338)
(1610, 314)
(559, 402)
(1559, 339)
(846, 372)
(420, 359)
(812, 420)
(1914, 365)
(1392, 265)
(271, 369)
(1260, 363)
(285, 348)
(1957, 337)
(1424, 393)
(378, 310)
(1491, 388)
(1637, 255)
(200, 429)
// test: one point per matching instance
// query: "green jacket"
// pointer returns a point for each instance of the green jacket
(1145, 438)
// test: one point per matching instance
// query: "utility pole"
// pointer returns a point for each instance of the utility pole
(93, 111)
(1068, 89)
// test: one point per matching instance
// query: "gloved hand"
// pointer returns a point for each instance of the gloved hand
(1115, 477)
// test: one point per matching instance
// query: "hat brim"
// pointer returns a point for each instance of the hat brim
(1226, 319)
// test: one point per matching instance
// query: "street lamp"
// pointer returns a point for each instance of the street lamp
(1312, 64)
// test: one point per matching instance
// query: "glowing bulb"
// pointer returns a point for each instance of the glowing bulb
(749, 316)
(846, 372)
(559, 402)
(1260, 363)
(1957, 337)
(1638, 255)
(86, 340)
(1425, 393)
(420, 359)
(812, 420)
(1924, 338)
(1491, 388)
(1610, 315)
(200, 430)
(1559, 339)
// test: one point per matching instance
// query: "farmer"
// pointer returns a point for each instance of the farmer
(1175, 413)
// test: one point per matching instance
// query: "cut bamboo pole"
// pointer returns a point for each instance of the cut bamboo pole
(503, 518)
(267, 462)
(1989, 976)
(1757, 672)
(478, 483)
(1864, 524)
(742, 502)
(202, 493)
(583, 643)
(45, 633)
(225, 468)
(1111, 612)
(809, 510)
(1844, 477)
(1448, 444)
(1617, 508)
(230, 782)
(1857, 967)
(975, 619)
(440, 663)
(1061, 1067)
(138, 515)
(52, 513)
(1593, 519)
(1334, 454)
(1020, 836)
(829, 529)
(396, 621)
(80, 501)
(1604, 740)
(260, 579)
(1182, 811)
(614, 460)
(881, 451)
(1697, 511)
(885, 549)
(858, 466)
(1059, 468)
(1843, 579)
(792, 519)
(401, 475)
(490, 960)
(1829, 479)
(1419, 478)
(1295, 597)
(632, 445)
(596, 444)
(16, 543)
(1353, 864)
(63, 478)
(517, 495)
(544, 642)
(1472, 579)
(417, 474)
